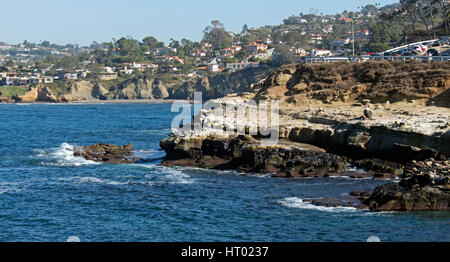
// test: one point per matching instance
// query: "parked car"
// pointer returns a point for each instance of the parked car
(419, 48)
(433, 52)
(407, 53)
(392, 53)
(443, 40)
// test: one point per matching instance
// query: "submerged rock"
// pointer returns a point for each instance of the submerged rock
(107, 153)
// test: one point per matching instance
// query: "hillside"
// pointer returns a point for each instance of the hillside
(379, 81)
(143, 87)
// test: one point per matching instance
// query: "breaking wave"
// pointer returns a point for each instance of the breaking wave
(162, 174)
(62, 156)
(84, 180)
(295, 202)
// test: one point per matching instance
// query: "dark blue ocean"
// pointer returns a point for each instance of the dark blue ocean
(46, 194)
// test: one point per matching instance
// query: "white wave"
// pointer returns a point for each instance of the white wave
(295, 202)
(63, 156)
(168, 174)
(257, 175)
(177, 176)
(85, 180)
(351, 178)
(356, 169)
(226, 172)
(8, 187)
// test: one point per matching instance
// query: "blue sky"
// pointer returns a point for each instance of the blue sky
(84, 21)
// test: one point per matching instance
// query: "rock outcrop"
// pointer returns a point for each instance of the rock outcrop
(287, 159)
(99, 92)
(37, 93)
(220, 85)
(107, 153)
(378, 81)
(425, 186)
(352, 114)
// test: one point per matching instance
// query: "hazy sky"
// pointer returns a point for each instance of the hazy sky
(84, 21)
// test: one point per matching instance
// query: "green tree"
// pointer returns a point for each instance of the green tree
(9, 63)
(152, 42)
(241, 55)
(68, 62)
(45, 44)
(216, 35)
(378, 47)
(245, 29)
(295, 39)
(129, 47)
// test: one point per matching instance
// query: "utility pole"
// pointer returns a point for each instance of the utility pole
(353, 36)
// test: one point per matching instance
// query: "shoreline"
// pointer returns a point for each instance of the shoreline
(402, 137)
(98, 101)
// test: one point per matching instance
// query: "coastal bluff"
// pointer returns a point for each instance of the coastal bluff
(389, 120)
(143, 87)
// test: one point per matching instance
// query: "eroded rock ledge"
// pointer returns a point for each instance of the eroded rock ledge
(321, 142)
(287, 159)
(391, 119)
(107, 153)
(424, 185)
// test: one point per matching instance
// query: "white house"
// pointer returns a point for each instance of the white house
(213, 66)
(242, 65)
(321, 52)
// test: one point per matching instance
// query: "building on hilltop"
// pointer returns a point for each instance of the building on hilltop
(242, 65)
(254, 47)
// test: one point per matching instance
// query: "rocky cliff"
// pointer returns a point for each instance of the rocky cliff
(386, 118)
(221, 85)
(379, 81)
(144, 87)
(38, 93)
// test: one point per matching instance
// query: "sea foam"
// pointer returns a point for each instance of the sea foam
(295, 202)
(84, 180)
(62, 156)
(162, 174)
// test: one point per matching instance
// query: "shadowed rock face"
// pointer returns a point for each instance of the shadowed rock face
(425, 186)
(107, 153)
(378, 141)
(288, 159)
(393, 197)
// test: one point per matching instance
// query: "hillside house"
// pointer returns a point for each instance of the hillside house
(254, 48)
(242, 65)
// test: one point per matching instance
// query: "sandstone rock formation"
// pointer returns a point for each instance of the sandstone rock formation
(378, 81)
(357, 112)
(37, 93)
(107, 153)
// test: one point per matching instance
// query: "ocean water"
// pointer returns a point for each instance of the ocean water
(46, 194)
